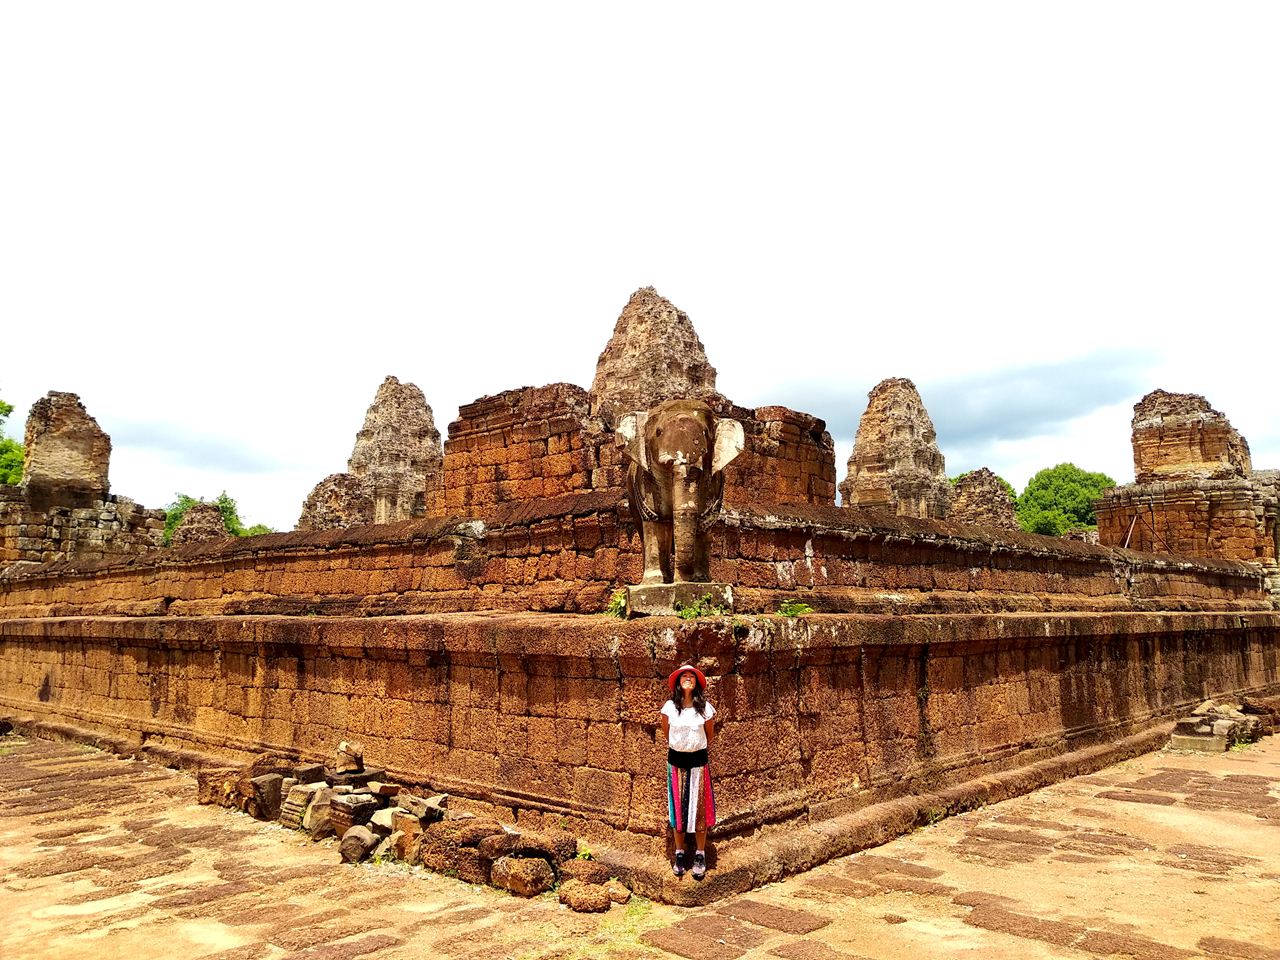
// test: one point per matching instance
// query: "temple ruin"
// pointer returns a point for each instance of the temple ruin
(63, 509)
(947, 664)
(896, 464)
(394, 467)
(202, 523)
(981, 499)
(653, 355)
(1195, 491)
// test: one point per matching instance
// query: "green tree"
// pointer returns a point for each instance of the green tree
(1058, 499)
(10, 451)
(230, 511)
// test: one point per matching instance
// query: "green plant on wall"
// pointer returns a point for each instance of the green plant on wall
(704, 606)
(794, 608)
(617, 606)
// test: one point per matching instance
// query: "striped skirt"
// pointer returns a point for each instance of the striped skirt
(691, 803)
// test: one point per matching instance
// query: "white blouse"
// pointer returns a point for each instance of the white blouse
(685, 728)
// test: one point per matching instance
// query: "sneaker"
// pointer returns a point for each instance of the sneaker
(678, 867)
(699, 866)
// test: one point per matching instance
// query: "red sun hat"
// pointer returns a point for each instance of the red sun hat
(687, 668)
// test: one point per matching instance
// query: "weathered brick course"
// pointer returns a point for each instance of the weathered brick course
(551, 719)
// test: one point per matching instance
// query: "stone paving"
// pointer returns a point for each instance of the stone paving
(1166, 856)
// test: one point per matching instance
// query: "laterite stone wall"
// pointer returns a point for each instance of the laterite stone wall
(551, 719)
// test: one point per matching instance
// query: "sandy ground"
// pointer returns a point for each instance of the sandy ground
(1166, 856)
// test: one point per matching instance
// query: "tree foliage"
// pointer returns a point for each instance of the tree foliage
(227, 506)
(10, 451)
(1058, 499)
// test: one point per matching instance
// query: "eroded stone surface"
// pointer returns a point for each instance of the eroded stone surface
(653, 355)
(67, 453)
(201, 523)
(1179, 436)
(1196, 493)
(397, 452)
(981, 499)
(395, 465)
(62, 510)
(339, 500)
(896, 463)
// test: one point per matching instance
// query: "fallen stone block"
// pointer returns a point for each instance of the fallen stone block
(381, 822)
(406, 846)
(380, 789)
(470, 867)
(474, 831)
(354, 779)
(296, 802)
(1198, 744)
(386, 847)
(217, 785)
(586, 871)
(618, 891)
(316, 816)
(553, 846)
(309, 773)
(585, 897)
(498, 845)
(266, 799)
(439, 849)
(523, 876)
(405, 821)
(351, 810)
(349, 757)
(357, 844)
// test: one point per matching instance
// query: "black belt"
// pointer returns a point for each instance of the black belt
(687, 759)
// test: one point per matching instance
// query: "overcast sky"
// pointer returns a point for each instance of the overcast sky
(223, 224)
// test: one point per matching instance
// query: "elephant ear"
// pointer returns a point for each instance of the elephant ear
(629, 435)
(729, 443)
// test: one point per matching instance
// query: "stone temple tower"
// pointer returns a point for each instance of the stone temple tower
(896, 463)
(653, 355)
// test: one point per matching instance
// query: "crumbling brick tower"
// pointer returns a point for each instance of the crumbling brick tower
(553, 441)
(1195, 491)
(63, 510)
(394, 470)
(896, 464)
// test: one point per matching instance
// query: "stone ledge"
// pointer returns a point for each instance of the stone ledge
(668, 599)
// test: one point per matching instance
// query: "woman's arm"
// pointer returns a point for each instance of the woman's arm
(710, 728)
(666, 735)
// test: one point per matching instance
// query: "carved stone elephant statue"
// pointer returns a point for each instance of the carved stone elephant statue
(675, 479)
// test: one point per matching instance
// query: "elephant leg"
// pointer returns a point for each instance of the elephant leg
(702, 559)
(656, 537)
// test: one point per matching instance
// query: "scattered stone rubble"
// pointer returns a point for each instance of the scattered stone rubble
(202, 523)
(1214, 727)
(395, 465)
(373, 818)
(896, 463)
(981, 499)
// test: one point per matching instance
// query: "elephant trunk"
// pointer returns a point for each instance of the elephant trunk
(685, 512)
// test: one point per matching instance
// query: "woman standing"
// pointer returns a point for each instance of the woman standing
(688, 724)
